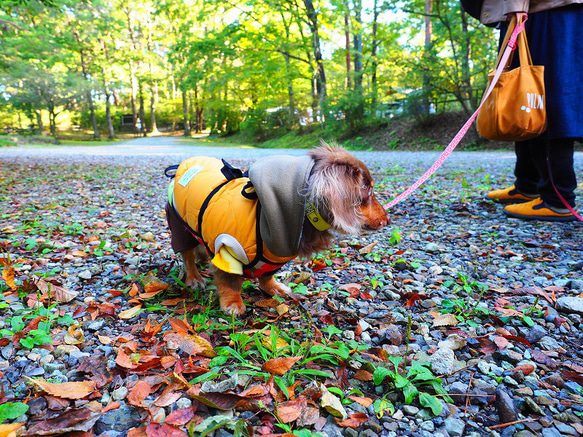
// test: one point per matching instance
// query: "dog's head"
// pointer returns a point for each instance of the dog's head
(341, 187)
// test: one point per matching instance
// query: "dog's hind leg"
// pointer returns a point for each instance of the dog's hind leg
(269, 285)
(229, 288)
(193, 276)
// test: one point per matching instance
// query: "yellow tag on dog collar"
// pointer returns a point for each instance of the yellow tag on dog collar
(315, 218)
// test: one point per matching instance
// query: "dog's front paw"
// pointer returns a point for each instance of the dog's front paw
(270, 286)
(232, 305)
(195, 283)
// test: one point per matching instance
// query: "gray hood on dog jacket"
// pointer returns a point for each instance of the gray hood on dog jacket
(280, 182)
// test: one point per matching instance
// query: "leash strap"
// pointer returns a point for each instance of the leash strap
(569, 207)
(453, 144)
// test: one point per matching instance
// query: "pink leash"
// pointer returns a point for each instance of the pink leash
(453, 144)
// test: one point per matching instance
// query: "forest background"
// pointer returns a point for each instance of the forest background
(269, 71)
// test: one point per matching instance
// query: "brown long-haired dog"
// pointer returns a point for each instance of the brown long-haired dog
(252, 224)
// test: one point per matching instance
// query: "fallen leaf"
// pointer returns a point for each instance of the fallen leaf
(9, 430)
(124, 360)
(267, 303)
(180, 417)
(290, 411)
(368, 248)
(354, 421)
(164, 430)
(180, 326)
(331, 403)
(168, 396)
(155, 287)
(353, 289)
(192, 344)
(60, 294)
(139, 393)
(68, 422)
(103, 339)
(8, 276)
(445, 320)
(130, 312)
(365, 402)
(74, 335)
(282, 309)
(526, 369)
(167, 361)
(280, 366)
(67, 390)
(280, 343)
(363, 375)
(111, 406)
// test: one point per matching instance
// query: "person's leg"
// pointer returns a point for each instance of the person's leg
(525, 170)
(527, 178)
(560, 161)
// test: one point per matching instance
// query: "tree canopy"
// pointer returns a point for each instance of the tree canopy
(257, 66)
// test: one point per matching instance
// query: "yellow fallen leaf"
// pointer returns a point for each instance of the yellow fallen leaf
(66, 390)
(9, 429)
(445, 320)
(8, 276)
(331, 403)
(131, 312)
(104, 339)
(282, 309)
(74, 335)
(280, 343)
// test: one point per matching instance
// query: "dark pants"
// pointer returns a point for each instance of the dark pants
(532, 169)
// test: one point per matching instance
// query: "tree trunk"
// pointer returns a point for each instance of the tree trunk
(347, 44)
(88, 94)
(319, 74)
(375, 42)
(294, 119)
(153, 101)
(427, 54)
(142, 126)
(465, 63)
(357, 38)
(110, 130)
(134, 98)
(39, 122)
(186, 115)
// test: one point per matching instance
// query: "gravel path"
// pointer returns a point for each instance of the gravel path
(493, 303)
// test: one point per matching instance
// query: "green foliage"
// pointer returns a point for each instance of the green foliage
(412, 384)
(12, 410)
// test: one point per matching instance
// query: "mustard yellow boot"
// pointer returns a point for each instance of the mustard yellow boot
(510, 195)
(537, 209)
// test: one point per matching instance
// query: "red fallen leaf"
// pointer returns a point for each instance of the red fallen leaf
(180, 417)
(363, 375)
(411, 301)
(167, 361)
(526, 369)
(487, 346)
(155, 287)
(517, 339)
(573, 376)
(358, 329)
(134, 290)
(280, 366)
(123, 360)
(353, 289)
(309, 416)
(267, 303)
(56, 404)
(180, 326)
(575, 367)
(353, 421)
(71, 420)
(139, 393)
(168, 396)
(111, 406)
(366, 295)
(318, 265)
(327, 319)
(115, 293)
(290, 411)
(157, 430)
(220, 401)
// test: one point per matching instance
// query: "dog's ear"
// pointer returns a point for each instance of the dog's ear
(335, 187)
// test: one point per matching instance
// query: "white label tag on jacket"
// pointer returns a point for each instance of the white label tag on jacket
(189, 174)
